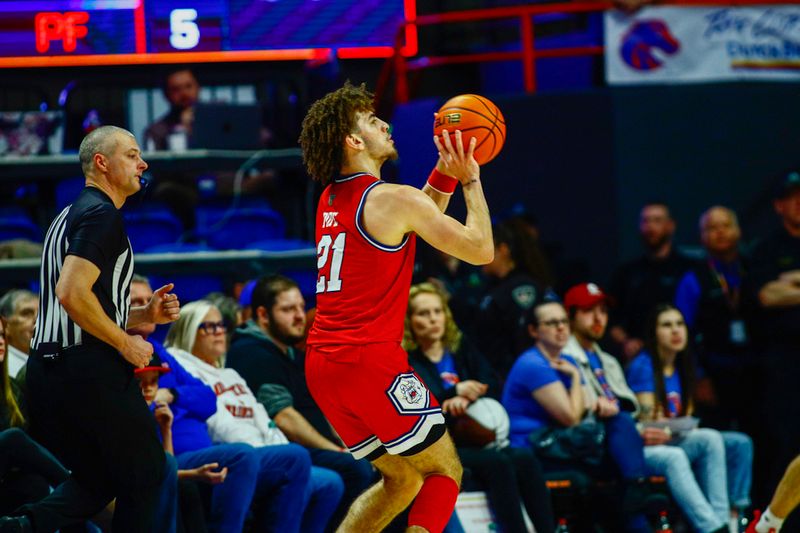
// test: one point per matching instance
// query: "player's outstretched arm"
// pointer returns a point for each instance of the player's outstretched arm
(391, 211)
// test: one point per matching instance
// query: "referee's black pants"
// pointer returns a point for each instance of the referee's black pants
(87, 408)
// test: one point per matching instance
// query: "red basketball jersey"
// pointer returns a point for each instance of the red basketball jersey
(362, 284)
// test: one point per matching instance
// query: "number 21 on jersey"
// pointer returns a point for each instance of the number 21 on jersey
(330, 249)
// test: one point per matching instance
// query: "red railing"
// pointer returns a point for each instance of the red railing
(398, 65)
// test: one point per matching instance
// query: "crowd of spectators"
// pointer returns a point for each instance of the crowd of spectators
(679, 367)
(645, 378)
(682, 368)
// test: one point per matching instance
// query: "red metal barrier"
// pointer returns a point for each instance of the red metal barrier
(398, 65)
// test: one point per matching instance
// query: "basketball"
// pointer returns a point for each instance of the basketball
(476, 116)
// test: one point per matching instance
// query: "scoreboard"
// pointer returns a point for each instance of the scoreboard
(40, 33)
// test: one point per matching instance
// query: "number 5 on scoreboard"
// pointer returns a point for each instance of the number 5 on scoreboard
(326, 244)
(184, 32)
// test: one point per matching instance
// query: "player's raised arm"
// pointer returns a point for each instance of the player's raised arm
(394, 210)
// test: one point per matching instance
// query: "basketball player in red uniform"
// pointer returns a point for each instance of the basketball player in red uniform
(355, 367)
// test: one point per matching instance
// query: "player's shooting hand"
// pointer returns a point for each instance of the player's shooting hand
(453, 160)
(137, 351)
(471, 389)
(164, 306)
(455, 406)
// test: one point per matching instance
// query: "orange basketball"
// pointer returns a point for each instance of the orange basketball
(476, 116)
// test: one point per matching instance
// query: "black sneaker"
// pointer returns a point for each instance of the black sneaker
(15, 524)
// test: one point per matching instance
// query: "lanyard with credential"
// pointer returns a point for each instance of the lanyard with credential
(731, 296)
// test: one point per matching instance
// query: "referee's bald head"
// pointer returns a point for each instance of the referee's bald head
(103, 140)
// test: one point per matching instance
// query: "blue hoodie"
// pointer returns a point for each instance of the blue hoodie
(195, 402)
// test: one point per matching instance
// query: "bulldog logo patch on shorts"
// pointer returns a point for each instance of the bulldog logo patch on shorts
(410, 396)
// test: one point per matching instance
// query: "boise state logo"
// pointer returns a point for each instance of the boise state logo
(642, 40)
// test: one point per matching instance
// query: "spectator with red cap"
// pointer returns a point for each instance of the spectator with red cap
(282, 472)
(190, 517)
(546, 404)
(169, 516)
(607, 389)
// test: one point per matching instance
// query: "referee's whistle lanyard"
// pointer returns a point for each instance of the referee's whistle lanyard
(732, 295)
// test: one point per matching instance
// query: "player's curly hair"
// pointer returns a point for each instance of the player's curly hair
(325, 126)
(452, 335)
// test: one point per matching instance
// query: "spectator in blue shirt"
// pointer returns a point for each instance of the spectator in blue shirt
(544, 389)
(457, 376)
(663, 379)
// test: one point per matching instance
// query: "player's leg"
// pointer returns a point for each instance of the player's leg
(379, 504)
(784, 501)
(380, 405)
(787, 495)
(441, 470)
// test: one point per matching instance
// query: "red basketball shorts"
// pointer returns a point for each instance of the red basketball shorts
(372, 397)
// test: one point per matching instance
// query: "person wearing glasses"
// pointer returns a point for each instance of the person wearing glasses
(193, 404)
(197, 341)
(544, 389)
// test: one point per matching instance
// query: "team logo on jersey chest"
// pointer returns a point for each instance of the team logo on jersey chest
(329, 219)
(409, 395)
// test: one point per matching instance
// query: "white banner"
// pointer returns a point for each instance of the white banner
(679, 45)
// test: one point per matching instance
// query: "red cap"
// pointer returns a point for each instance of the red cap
(584, 296)
(155, 365)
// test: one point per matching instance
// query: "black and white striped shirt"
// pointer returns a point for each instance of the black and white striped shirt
(90, 228)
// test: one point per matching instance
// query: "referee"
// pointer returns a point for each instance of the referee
(84, 403)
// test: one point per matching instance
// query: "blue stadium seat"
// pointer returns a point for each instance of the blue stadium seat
(16, 224)
(307, 282)
(67, 190)
(177, 247)
(188, 287)
(280, 245)
(150, 227)
(235, 230)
